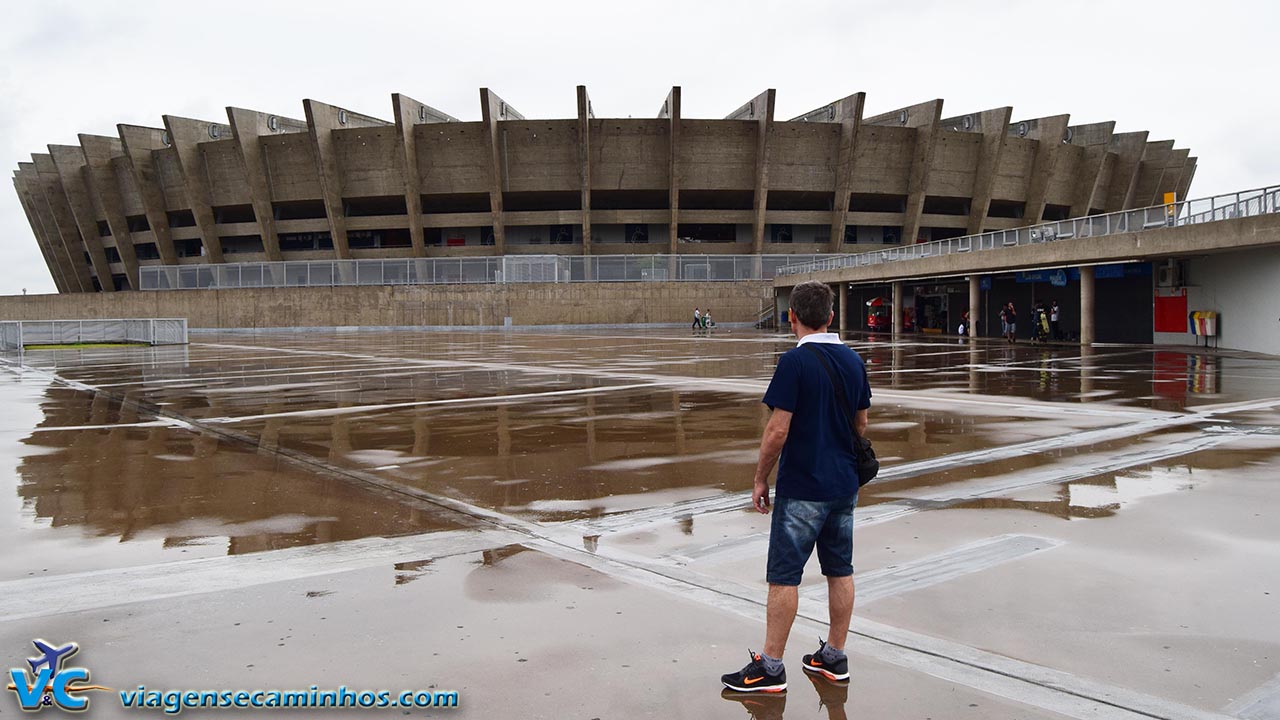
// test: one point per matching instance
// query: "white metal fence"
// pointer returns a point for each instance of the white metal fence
(462, 270)
(15, 335)
(1188, 212)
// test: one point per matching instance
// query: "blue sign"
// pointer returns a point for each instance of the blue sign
(1060, 277)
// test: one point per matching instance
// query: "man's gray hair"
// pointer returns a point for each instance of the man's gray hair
(811, 304)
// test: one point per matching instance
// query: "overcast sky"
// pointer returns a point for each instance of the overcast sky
(1202, 73)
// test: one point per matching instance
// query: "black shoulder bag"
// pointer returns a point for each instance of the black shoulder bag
(863, 454)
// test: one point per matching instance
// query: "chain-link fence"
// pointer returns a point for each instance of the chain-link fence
(15, 335)
(468, 270)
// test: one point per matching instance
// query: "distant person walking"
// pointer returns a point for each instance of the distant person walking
(697, 318)
(817, 487)
(1054, 314)
(1009, 321)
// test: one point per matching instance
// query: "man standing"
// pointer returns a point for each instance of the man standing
(1053, 320)
(1009, 319)
(817, 487)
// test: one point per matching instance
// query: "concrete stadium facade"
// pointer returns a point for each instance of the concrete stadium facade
(339, 184)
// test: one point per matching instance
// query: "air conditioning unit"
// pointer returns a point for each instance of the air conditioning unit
(1169, 274)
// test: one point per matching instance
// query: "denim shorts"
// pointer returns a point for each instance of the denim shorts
(798, 525)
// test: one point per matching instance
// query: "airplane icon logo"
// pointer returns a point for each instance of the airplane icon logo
(50, 684)
(53, 657)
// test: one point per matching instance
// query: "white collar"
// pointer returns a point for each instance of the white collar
(826, 338)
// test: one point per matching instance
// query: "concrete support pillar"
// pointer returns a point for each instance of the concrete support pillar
(68, 246)
(926, 119)
(322, 121)
(493, 110)
(248, 127)
(671, 111)
(185, 136)
(1086, 305)
(69, 162)
(847, 112)
(100, 154)
(1126, 149)
(1091, 168)
(139, 143)
(759, 110)
(1155, 157)
(408, 114)
(975, 305)
(39, 225)
(994, 128)
(1049, 134)
(842, 290)
(897, 307)
(585, 118)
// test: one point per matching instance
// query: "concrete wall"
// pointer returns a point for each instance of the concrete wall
(525, 304)
(1244, 288)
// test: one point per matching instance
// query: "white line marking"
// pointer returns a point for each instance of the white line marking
(95, 589)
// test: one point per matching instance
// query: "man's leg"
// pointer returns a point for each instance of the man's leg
(783, 601)
(840, 609)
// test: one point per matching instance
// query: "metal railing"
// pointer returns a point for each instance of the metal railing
(466, 270)
(1247, 203)
(15, 335)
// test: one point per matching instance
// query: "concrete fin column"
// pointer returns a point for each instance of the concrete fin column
(248, 128)
(494, 110)
(1087, 305)
(842, 292)
(77, 269)
(1126, 152)
(69, 160)
(585, 116)
(760, 110)
(1087, 189)
(896, 322)
(974, 326)
(1172, 176)
(848, 112)
(671, 111)
(1184, 182)
(1151, 169)
(99, 151)
(27, 182)
(322, 120)
(1050, 134)
(926, 119)
(138, 142)
(992, 124)
(185, 135)
(408, 113)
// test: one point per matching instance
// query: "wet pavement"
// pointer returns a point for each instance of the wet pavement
(554, 523)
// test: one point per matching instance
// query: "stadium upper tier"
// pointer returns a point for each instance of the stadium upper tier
(425, 184)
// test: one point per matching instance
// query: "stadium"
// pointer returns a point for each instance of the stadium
(111, 212)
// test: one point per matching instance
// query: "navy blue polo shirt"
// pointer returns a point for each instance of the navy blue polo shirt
(817, 460)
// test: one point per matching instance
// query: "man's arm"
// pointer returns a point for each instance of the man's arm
(860, 422)
(775, 436)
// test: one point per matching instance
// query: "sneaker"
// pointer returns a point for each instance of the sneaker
(759, 707)
(832, 671)
(754, 678)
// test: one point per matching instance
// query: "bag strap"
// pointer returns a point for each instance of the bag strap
(838, 384)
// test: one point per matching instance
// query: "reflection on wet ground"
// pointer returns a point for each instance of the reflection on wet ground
(635, 447)
(545, 426)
